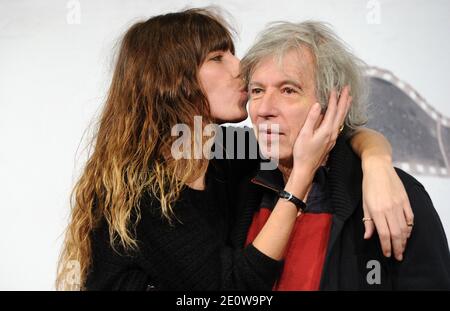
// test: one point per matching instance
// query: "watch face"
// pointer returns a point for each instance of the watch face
(283, 194)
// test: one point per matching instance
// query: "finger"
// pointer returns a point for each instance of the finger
(330, 114)
(311, 119)
(396, 236)
(383, 233)
(347, 109)
(319, 121)
(409, 217)
(343, 107)
(369, 229)
(403, 228)
(368, 225)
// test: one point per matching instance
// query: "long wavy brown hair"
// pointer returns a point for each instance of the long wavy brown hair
(154, 86)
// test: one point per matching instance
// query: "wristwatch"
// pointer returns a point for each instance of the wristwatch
(301, 206)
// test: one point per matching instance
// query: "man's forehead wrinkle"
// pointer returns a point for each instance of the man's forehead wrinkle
(297, 69)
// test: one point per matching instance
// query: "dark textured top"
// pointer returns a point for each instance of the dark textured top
(198, 252)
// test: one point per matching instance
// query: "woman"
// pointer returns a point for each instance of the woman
(141, 218)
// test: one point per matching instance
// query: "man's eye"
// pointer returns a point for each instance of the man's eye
(256, 91)
(288, 90)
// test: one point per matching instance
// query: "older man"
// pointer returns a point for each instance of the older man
(291, 67)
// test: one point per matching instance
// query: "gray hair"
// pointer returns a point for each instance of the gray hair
(335, 64)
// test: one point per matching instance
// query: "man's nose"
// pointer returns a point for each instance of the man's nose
(267, 105)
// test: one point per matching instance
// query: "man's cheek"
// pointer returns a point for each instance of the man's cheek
(251, 111)
(286, 149)
(289, 144)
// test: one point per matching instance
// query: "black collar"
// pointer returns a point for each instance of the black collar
(273, 179)
(344, 179)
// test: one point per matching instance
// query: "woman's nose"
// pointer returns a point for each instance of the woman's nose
(235, 65)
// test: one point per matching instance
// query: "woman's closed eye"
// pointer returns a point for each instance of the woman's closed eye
(217, 58)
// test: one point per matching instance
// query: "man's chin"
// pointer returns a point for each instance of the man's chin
(269, 155)
(275, 156)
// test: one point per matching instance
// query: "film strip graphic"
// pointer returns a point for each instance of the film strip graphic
(419, 134)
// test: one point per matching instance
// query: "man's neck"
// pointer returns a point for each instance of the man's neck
(285, 168)
(285, 171)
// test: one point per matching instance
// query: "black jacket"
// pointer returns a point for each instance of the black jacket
(195, 252)
(191, 258)
(350, 260)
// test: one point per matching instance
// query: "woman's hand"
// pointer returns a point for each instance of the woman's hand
(315, 141)
(387, 205)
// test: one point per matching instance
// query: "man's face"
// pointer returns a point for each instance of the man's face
(281, 93)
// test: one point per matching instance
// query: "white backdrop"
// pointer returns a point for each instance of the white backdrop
(55, 64)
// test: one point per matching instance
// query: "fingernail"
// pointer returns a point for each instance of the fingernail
(388, 254)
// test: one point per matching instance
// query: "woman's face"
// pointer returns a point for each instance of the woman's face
(225, 91)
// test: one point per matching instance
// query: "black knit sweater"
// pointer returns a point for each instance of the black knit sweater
(199, 251)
